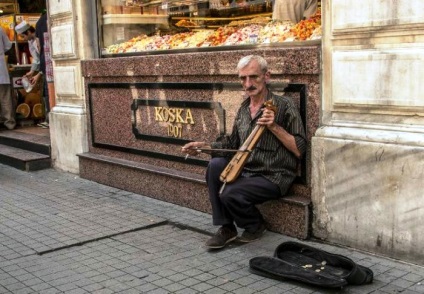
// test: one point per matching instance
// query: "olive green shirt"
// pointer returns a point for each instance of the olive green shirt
(270, 158)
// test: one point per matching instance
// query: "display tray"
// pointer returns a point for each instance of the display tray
(20, 66)
(215, 48)
(134, 19)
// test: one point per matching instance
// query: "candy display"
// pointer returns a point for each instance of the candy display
(254, 31)
(305, 28)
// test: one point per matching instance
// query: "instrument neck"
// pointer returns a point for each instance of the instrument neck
(253, 138)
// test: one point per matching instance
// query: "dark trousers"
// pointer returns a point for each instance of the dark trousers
(46, 102)
(236, 203)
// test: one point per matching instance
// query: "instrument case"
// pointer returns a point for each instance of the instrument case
(303, 263)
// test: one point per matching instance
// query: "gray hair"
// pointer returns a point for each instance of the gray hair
(248, 59)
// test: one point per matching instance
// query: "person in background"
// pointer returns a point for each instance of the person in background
(6, 102)
(293, 10)
(40, 29)
(272, 165)
(27, 33)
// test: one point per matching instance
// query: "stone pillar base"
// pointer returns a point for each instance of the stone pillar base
(367, 190)
(68, 132)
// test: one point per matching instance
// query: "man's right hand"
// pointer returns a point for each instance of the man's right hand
(34, 80)
(29, 74)
(190, 148)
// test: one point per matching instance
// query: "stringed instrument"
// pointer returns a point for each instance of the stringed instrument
(233, 169)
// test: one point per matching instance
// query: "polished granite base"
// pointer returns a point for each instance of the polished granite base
(142, 109)
(289, 216)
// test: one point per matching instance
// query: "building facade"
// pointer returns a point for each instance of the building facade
(368, 152)
(366, 155)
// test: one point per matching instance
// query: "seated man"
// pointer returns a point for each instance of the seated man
(271, 166)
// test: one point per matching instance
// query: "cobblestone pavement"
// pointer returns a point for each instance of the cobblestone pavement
(63, 234)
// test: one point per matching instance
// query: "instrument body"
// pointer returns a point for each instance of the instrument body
(234, 168)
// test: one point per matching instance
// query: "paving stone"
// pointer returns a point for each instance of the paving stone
(93, 287)
(202, 287)
(173, 287)
(23, 291)
(413, 277)
(190, 282)
(16, 286)
(98, 239)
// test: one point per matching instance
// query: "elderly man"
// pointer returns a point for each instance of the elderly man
(271, 166)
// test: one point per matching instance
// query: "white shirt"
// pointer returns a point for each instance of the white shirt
(34, 49)
(5, 45)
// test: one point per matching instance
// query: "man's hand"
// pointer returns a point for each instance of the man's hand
(190, 148)
(34, 80)
(288, 140)
(29, 74)
(267, 118)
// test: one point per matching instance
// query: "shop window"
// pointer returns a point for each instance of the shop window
(132, 27)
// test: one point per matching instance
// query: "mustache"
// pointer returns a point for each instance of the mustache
(251, 88)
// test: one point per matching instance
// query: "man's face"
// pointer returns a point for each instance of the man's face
(253, 79)
(24, 36)
(31, 35)
(27, 36)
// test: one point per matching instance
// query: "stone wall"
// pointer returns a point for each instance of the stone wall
(367, 156)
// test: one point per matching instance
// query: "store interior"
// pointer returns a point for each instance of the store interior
(29, 103)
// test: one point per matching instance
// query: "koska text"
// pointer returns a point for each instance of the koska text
(175, 117)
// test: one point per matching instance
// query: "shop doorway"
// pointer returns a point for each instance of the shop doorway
(27, 146)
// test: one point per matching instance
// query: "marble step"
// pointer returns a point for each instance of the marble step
(31, 139)
(23, 159)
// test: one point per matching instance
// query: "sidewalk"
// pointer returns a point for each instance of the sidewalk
(63, 234)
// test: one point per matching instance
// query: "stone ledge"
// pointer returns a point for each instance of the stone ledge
(289, 215)
(143, 166)
(298, 200)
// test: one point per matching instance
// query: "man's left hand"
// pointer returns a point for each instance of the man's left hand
(267, 118)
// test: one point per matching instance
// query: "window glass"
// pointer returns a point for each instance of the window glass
(134, 26)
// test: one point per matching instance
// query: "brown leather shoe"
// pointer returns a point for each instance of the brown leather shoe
(221, 238)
